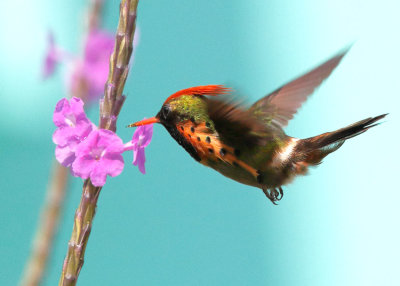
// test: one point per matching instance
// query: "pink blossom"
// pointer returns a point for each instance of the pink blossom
(141, 138)
(99, 46)
(91, 71)
(86, 75)
(98, 156)
(71, 120)
(66, 155)
(52, 57)
(73, 127)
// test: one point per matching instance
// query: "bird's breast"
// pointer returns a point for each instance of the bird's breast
(214, 153)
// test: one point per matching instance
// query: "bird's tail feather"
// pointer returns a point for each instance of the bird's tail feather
(312, 150)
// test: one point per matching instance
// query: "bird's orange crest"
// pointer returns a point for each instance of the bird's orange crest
(212, 90)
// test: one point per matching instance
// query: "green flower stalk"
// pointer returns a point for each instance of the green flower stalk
(110, 107)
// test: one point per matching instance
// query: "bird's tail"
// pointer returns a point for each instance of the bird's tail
(312, 150)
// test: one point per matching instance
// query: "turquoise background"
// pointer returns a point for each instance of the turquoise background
(184, 224)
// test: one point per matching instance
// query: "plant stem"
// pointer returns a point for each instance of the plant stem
(47, 227)
(95, 9)
(80, 234)
(110, 107)
(52, 207)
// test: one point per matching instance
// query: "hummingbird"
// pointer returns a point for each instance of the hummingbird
(248, 144)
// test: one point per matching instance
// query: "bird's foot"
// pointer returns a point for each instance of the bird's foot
(273, 195)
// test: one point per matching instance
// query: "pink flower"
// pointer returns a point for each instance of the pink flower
(99, 46)
(98, 156)
(52, 57)
(86, 75)
(66, 155)
(73, 127)
(141, 138)
(91, 71)
(71, 120)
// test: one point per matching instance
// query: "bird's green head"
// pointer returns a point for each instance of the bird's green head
(186, 104)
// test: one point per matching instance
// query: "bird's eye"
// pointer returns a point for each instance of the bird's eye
(165, 111)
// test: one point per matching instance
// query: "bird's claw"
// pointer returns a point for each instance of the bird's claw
(273, 195)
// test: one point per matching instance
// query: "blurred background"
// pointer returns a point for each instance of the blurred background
(184, 224)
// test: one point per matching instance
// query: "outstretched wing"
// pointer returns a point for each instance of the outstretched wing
(279, 107)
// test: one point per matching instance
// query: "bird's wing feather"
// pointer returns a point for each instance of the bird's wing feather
(279, 107)
(234, 123)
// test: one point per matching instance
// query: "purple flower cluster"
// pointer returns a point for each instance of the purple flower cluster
(91, 152)
(73, 128)
(86, 75)
(98, 156)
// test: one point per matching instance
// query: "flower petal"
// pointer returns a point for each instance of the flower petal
(65, 156)
(110, 141)
(58, 115)
(129, 146)
(99, 46)
(136, 135)
(139, 159)
(59, 137)
(70, 136)
(113, 164)
(83, 166)
(148, 134)
(143, 135)
(51, 58)
(76, 108)
(140, 139)
(88, 144)
(98, 176)
(70, 113)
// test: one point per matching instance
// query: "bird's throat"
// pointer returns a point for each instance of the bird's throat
(172, 129)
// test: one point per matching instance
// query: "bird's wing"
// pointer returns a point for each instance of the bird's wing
(279, 107)
(234, 123)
